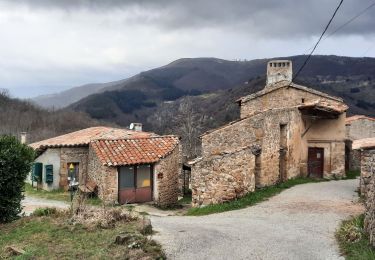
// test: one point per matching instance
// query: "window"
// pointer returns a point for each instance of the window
(143, 176)
(270, 64)
(303, 100)
(126, 177)
(279, 64)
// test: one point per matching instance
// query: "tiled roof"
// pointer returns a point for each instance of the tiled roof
(283, 84)
(364, 143)
(350, 119)
(85, 136)
(122, 152)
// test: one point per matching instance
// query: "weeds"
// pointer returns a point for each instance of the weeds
(353, 241)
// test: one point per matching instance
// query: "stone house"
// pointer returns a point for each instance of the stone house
(367, 182)
(284, 131)
(121, 165)
(357, 127)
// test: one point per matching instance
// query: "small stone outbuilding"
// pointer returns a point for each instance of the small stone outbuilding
(284, 131)
(121, 165)
(357, 127)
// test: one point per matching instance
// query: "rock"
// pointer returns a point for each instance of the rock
(145, 226)
(14, 251)
(123, 239)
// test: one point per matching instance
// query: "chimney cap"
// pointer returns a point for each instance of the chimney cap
(279, 70)
(136, 126)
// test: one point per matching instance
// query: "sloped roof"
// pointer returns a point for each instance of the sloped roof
(364, 143)
(283, 84)
(123, 152)
(324, 106)
(350, 119)
(85, 136)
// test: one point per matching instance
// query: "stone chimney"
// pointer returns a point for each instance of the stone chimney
(23, 137)
(278, 70)
(136, 127)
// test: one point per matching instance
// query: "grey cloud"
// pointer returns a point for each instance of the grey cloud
(271, 18)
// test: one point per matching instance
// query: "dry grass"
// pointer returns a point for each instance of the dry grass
(53, 234)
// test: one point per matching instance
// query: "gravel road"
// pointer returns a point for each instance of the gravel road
(299, 223)
(32, 203)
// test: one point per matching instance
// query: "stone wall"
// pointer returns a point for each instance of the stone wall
(223, 177)
(368, 190)
(361, 128)
(242, 133)
(167, 172)
(282, 97)
(367, 170)
(73, 155)
(105, 177)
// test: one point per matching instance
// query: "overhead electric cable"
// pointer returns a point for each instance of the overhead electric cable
(320, 38)
(347, 22)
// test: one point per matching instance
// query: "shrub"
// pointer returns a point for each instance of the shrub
(15, 163)
(44, 212)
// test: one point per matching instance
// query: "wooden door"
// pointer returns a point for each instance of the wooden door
(135, 184)
(315, 162)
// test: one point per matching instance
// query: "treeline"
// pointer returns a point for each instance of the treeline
(18, 116)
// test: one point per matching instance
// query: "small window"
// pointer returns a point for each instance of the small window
(287, 64)
(303, 100)
(283, 64)
(270, 64)
(279, 64)
(274, 65)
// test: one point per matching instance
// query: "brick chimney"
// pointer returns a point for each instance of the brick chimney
(279, 70)
(23, 137)
(136, 127)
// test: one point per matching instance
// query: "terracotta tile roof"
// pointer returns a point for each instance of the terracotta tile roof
(350, 119)
(85, 136)
(122, 152)
(324, 106)
(364, 143)
(284, 84)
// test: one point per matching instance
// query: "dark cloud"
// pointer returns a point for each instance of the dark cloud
(268, 19)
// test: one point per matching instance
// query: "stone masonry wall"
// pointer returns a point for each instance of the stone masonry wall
(367, 170)
(73, 155)
(223, 177)
(230, 137)
(368, 190)
(361, 128)
(283, 97)
(106, 178)
(167, 172)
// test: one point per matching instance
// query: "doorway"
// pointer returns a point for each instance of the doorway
(282, 153)
(135, 184)
(315, 162)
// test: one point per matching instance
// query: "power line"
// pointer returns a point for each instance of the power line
(347, 22)
(320, 38)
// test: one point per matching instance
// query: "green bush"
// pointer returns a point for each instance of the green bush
(44, 212)
(15, 163)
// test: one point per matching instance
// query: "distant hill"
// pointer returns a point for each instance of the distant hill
(136, 98)
(18, 116)
(67, 97)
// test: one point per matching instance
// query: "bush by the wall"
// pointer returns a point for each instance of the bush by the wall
(15, 163)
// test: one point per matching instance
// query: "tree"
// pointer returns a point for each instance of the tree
(15, 163)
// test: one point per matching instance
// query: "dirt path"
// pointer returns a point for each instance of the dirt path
(299, 223)
(32, 203)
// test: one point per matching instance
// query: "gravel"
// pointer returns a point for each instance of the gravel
(299, 223)
(31, 203)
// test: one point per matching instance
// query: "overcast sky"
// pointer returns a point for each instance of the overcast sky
(50, 45)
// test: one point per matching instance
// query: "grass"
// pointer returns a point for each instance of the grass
(59, 194)
(353, 241)
(352, 175)
(251, 198)
(51, 237)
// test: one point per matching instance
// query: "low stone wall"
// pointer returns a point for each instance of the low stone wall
(222, 178)
(368, 190)
(167, 173)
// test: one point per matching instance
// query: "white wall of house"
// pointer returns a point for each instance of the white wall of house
(50, 156)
